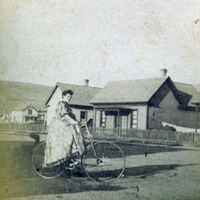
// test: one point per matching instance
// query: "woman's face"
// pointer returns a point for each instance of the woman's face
(67, 98)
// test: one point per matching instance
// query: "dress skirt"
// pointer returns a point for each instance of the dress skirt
(63, 140)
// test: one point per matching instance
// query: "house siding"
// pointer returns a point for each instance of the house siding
(52, 104)
(109, 122)
(34, 112)
(165, 112)
(142, 117)
(77, 112)
(21, 116)
(188, 119)
(169, 112)
(125, 121)
(16, 116)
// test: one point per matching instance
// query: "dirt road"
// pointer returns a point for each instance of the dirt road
(165, 175)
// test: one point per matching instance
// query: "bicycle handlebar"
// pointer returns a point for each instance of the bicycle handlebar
(82, 125)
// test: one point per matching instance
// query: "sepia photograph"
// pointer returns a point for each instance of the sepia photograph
(99, 99)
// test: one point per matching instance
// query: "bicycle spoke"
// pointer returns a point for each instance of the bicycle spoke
(109, 163)
(38, 162)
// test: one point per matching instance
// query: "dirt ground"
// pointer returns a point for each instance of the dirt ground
(166, 175)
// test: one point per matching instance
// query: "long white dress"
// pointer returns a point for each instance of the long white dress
(63, 138)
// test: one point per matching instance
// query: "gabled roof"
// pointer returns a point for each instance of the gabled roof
(129, 91)
(82, 94)
(196, 100)
(30, 106)
(142, 90)
(190, 90)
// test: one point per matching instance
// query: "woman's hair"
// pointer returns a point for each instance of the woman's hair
(65, 92)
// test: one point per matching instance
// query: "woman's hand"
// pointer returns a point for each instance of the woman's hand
(75, 123)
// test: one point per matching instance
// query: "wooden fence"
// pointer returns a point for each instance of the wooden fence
(149, 136)
(23, 127)
(145, 136)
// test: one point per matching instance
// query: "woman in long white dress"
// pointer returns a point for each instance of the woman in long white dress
(64, 137)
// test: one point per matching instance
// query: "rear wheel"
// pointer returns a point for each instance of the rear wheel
(48, 172)
(103, 162)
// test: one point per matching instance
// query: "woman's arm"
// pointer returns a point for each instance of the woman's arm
(70, 120)
(64, 114)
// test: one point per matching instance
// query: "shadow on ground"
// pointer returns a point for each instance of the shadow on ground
(142, 171)
(17, 178)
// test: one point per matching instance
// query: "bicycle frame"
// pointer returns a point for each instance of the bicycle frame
(90, 140)
(95, 161)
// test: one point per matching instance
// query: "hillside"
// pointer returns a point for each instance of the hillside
(18, 95)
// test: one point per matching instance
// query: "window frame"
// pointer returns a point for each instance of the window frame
(30, 111)
(102, 123)
(86, 115)
(132, 124)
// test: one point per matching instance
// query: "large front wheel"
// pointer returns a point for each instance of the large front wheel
(103, 161)
(47, 172)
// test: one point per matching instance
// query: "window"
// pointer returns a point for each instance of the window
(83, 116)
(134, 119)
(29, 111)
(103, 119)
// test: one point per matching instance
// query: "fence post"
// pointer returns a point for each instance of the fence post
(178, 137)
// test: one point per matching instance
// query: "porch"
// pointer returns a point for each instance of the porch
(115, 118)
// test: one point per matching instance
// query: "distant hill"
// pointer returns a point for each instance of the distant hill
(18, 95)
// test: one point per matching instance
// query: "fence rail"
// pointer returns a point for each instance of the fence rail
(152, 136)
(24, 127)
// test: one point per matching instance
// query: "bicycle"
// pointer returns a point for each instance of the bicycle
(102, 161)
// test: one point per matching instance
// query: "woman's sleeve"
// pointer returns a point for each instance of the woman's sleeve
(69, 119)
(62, 112)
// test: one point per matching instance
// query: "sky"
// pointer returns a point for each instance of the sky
(67, 41)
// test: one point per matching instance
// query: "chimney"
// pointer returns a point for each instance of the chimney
(86, 82)
(163, 72)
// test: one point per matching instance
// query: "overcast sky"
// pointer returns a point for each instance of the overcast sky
(49, 41)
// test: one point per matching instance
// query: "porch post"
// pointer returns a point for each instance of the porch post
(94, 120)
(118, 123)
(127, 123)
(196, 118)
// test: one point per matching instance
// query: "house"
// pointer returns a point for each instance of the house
(80, 102)
(28, 114)
(4, 118)
(15, 96)
(145, 104)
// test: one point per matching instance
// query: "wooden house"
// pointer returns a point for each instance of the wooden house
(27, 114)
(80, 102)
(145, 104)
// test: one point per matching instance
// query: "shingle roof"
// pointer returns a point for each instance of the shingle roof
(82, 94)
(133, 91)
(29, 106)
(129, 91)
(189, 89)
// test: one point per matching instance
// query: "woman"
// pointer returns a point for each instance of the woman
(64, 137)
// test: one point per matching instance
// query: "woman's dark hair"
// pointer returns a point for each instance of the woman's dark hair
(64, 93)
